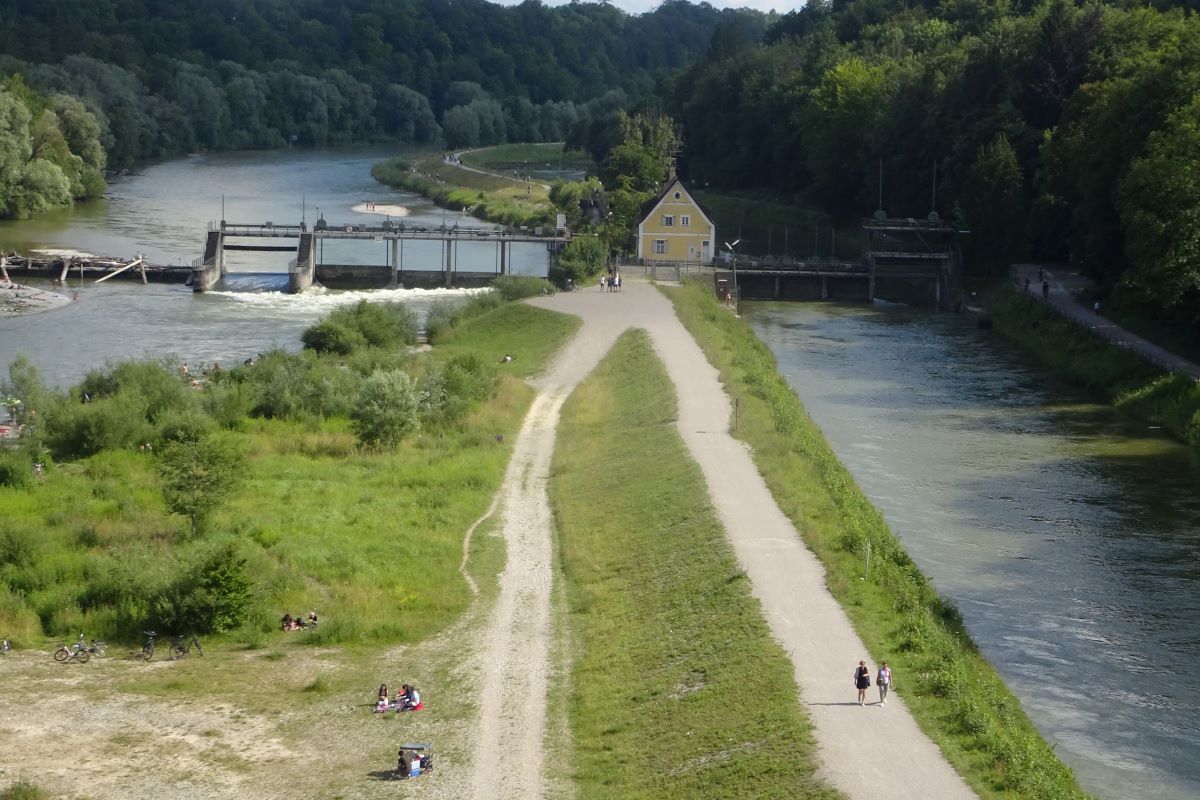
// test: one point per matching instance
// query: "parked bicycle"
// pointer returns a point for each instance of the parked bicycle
(77, 651)
(4, 646)
(148, 646)
(97, 648)
(182, 645)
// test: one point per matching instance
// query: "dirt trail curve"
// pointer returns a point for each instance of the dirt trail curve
(868, 752)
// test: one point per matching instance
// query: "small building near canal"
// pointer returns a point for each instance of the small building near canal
(673, 228)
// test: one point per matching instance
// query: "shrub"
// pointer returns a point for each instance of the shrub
(211, 597)
(297, 386)
(517, 287)
(15, 471)
(328, 336)
(23, 790)
(388, 408)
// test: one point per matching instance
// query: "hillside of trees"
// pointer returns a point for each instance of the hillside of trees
(1055, 130)
(164, 78)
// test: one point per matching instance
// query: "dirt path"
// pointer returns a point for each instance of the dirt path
(867, 752)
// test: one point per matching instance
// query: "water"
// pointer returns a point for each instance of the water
(1068, 536)
(164, 210)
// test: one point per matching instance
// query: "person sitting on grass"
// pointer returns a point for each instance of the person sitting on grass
(381, 701)
(286, 622)
(410, 700)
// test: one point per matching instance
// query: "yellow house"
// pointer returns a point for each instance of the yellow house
(675, 228)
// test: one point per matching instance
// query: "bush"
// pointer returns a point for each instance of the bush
(328, 336)
(298, 386)
(351, 328)
(212, 597)
(517, 287)
(23, 790)
(388, 409)
(15, 471)
(450, 392)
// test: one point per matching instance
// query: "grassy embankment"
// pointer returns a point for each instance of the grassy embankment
(1123, 378)
(677, 688)
(956, 696)
(495, 198)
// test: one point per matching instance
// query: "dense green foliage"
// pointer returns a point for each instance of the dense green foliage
(678, 688)
(297, 515)
(956, 696)
(1052, 130)
(166, 78)
(50, 152)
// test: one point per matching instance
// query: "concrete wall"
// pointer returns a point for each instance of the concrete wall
(359, 276)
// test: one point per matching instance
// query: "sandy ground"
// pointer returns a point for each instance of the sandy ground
(18, 299)
(382, 209)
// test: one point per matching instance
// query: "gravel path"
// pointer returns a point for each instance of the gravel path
(867, 752)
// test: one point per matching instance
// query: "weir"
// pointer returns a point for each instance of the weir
(307, 268)
(904, 261)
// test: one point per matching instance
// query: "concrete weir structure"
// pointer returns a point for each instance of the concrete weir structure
(305, 268)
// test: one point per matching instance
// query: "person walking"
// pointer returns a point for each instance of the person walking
(883, 679)
(862, 681)
(1045, 290)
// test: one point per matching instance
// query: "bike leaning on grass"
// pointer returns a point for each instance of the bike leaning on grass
(4, 646)
(183, 645)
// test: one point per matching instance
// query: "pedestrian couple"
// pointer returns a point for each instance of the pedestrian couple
(862, 682)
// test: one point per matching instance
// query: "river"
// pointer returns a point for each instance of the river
(1068, 536)
(164, 210)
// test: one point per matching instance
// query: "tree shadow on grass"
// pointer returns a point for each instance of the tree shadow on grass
(383, 775)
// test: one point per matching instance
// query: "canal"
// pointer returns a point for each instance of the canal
(1068, 536)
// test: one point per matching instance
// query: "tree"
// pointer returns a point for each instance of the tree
(993, 199)
(198, 475)
(388, 408)
(1159, 202)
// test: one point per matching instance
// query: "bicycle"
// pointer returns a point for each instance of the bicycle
(76, 651)
(148, 647)
(4, 646)
(181, 646)
(97, 648)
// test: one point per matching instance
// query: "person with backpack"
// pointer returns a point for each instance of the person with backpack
(862, 681)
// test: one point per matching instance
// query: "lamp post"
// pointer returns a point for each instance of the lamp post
(737, 295)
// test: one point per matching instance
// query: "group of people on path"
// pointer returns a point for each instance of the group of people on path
(610, 282)
(862, 682)
(407, 698)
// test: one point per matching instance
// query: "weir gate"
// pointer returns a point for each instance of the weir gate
(306, 267)
(916, 262)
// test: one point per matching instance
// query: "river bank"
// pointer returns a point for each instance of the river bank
(1120, 377)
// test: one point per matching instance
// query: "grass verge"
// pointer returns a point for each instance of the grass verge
(956, 696)
(1120, 376)
(678, 689)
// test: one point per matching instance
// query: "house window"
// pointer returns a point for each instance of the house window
(678, 195)
(685, 221)
(668, 221)
(660, 247)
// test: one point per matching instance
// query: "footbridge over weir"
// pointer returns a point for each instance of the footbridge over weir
(307, 268)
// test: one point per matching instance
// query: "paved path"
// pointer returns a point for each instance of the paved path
(1061, 295)
(868, 752)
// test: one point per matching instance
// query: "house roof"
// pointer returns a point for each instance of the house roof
(651, 204)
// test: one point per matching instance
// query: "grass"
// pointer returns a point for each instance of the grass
(507, 157)
(677, 688)
(1125, 379)
(956, 696)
